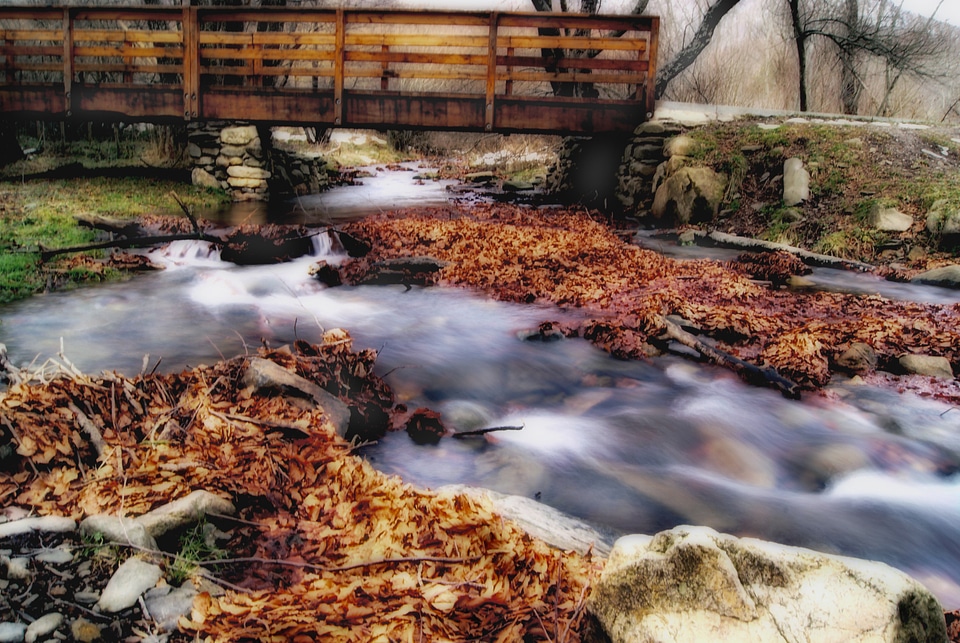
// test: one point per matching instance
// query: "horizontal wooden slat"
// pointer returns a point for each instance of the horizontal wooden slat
(572, 42)
(246, 70)
(163, 14)
(256, 38)
(127, 52)
(128, 69)
(219, 15)
(212, 53)
(416, 40)
(419, 59)
(417, 18)
(31, 34)
(126, 35)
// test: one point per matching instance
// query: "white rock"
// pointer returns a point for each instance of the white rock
(244, 172)
(796, 182)
(45, 523)
(12, 632)
(928, 365)
(889, 219)
(166, 608)
(56, 556)
(202, 178)
(117, 530)
(132, 578)
(184, 511)
(43, 626)
(694, 584)
(17, 568)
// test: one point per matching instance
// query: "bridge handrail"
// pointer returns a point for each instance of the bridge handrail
(95, 55)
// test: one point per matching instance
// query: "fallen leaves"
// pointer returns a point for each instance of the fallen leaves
(326, 547)
(570, 259)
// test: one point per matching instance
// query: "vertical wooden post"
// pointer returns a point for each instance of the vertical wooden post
(190, 32)
(339, 62)
(490, 110)
(651, 97)
(68, 61)
(509, 89)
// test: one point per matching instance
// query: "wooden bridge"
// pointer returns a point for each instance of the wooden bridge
(503, 72)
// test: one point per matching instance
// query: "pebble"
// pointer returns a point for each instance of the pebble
(43, 626)
(56, 556)
(12, 632)
(17, 568)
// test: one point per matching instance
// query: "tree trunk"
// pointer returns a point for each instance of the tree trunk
(849, 82)
(800, 40)
(686, 56)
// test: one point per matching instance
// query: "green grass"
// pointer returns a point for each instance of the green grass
(195, 548)
(40, 214)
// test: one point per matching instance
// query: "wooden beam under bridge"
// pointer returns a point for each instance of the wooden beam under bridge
(502, 72)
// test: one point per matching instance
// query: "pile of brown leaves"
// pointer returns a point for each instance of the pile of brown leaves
(568, 258)
(324, 547)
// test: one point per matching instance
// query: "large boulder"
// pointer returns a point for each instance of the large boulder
(694, 584)
(946, 276)
(691, 195)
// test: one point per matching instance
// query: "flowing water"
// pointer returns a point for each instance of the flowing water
(629, 446)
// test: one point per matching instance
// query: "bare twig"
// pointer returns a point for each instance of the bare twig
(96, 437)
(475, 432)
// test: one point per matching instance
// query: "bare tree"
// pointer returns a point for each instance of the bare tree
(687, 54)
(861, 31)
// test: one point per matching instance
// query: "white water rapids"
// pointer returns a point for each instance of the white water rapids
(629, 446)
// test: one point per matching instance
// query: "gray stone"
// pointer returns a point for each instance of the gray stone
(264, 374)
(166, 607)
(132, 578)
(232, 150)
(694, 584)
(643, 168)
(928, 365)
(650, 127)
(244, 172)
(43, 626)
(946, 276)
(12, 632)
(115, 529)
(647, 152)
(204, 179)
(254, 148)
(692, 195)
(55, 556)
(859, 358)
(17, 568)
(184, 511)
(241, 135)
(52, 524)
(796, 182)
(682, 145)
(517, 186)
(194, 150)
(888, 219)
(943, 219)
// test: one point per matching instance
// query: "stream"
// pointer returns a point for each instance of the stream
(627, 446)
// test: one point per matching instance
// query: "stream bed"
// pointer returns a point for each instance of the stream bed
(627, 446)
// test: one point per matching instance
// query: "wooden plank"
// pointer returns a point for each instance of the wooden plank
(43, 101)
(127, 69)
(190, 30)
(439, 74)
(111, 14)
(126, 52)
(573, 42)
(126, 35)
(417, 40)
(490, 116)
(650, 89)
(304, 108)
(269, 54)
(415, 111)
(338, 67)
(418, 59)
(129, 102)
(15, 35)
(67, 60)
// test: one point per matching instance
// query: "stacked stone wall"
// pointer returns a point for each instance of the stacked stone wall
(241, 160)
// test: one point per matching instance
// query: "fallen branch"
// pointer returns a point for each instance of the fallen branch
(96, 437)
(342, 568)
(761, 376)
(134, 242)
(468, 434)
(186, 211)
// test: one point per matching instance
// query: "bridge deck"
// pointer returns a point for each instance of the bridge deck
(504, 72)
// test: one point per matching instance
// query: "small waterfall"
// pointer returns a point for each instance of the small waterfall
(186, 253)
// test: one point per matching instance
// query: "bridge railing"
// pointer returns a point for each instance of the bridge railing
(398, 69)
